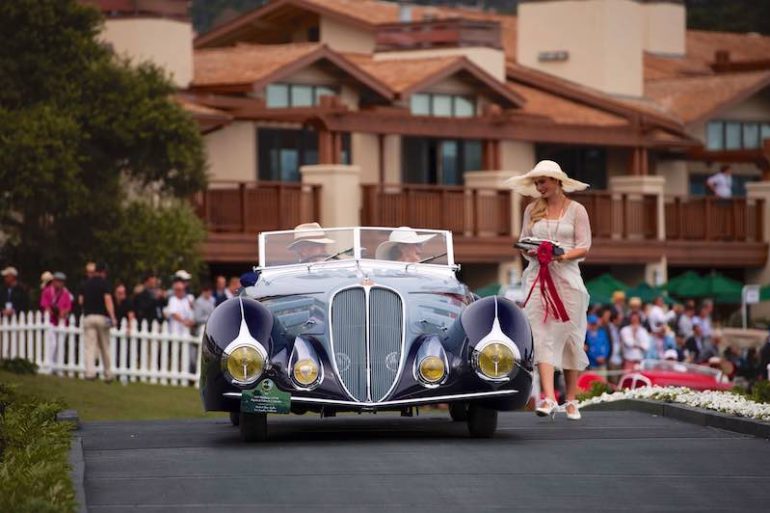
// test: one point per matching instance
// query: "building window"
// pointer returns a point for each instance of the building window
(439, 161)
(281, 96)
(587, 164)
(282, 152)
(442, 105)
(736, 135)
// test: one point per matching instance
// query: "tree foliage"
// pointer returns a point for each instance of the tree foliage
(79, 128)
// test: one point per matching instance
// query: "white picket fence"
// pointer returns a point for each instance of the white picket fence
(137, 353)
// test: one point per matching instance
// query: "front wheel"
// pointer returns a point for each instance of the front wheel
(253, 427)
(482, 422)
(458, 412)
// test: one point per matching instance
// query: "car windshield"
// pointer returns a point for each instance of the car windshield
(432, 247)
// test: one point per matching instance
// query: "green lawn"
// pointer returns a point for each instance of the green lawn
(95, 400)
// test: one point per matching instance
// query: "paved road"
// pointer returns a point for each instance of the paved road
(611, 461)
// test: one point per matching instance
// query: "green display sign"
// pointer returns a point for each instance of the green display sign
(265, 398)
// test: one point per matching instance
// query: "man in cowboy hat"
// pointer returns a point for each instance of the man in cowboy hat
(310, 242)
(403, 245)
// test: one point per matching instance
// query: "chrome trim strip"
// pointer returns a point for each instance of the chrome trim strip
(385, 404)
(367, 303)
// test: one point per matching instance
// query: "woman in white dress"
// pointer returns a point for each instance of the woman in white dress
(559, 333)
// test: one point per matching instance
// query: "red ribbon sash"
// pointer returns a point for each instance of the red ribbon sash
(552, 303)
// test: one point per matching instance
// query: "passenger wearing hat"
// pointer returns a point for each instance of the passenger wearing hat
(403, 245)
(56, 304)
(558, 320)
(310, 242)
(14, 297)
(598, 345)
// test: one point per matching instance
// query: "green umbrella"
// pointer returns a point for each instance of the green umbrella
(492, 289)
(685, 285)
(602, 287)
(646, 292)
(764, 293)
(721, 288)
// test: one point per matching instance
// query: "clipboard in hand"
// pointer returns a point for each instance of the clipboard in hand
(528, 243)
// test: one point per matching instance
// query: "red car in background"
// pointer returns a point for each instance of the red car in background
(666, 373)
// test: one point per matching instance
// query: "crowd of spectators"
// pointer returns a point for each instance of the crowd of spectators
(621, 335)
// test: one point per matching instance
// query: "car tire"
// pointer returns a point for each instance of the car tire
(482, 422)
(235, 418)
(253, 427)
(458, 412)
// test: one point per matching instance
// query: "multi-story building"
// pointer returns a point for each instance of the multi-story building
(366, 112)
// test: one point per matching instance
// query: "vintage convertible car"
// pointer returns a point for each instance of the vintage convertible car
(334, 321)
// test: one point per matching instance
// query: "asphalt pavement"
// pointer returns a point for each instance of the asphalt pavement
(609, 461)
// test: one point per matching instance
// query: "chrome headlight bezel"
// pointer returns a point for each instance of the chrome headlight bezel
(237, 344)
(432, 346)
(487, 341)
(303, 350)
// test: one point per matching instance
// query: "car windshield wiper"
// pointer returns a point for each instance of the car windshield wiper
(431, 258)
(330, 257)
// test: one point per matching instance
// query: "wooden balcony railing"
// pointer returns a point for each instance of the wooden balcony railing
(252, 207)
(464, 211)
(714, 219)
(619, 216)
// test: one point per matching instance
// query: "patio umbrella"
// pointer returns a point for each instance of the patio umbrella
(601, 288)
(721, 288)
(647, 292)
(684, 285)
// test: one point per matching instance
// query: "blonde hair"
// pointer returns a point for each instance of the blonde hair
(537, 211)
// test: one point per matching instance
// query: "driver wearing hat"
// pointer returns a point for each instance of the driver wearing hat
(403, 245)
(310, 242)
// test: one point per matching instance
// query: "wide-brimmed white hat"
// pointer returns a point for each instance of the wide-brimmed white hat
(310, 232)
(401, 235)
(525, 184)
(183, 275)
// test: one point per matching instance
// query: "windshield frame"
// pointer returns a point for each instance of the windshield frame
(357, 249)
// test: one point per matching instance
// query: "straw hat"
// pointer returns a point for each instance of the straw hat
(45, 278)
(525, 184)
(310, 232)
(401, 235)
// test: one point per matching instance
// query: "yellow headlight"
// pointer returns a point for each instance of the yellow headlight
(245, 364)
(306, 372)
(496, 360)
(432, 369)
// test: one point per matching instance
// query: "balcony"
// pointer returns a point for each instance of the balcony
(235, 212)
(456, 32)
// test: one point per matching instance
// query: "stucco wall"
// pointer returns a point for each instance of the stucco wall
(392, 159)
(345, 38)
(603, 37)
(664, 28)
(232, 152)
(676, 175)
(167, 43)
(517, 156)
(366, 155)
(490, 60)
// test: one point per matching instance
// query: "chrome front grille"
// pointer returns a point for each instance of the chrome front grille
(367, 347)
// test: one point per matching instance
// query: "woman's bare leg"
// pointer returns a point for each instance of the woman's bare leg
(570, 378)
(546, 380)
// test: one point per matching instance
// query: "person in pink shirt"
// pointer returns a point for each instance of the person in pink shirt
(56, 304)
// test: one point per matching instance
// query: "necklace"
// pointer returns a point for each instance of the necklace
(552, 236)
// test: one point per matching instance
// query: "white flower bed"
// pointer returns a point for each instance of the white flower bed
(724, 402)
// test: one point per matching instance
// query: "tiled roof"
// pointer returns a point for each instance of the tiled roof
(199, 110)
(563, 111)
(692, 99)
(402, 74)
(244, 64)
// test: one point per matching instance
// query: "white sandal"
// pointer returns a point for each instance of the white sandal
(548, 407)
(574, 415)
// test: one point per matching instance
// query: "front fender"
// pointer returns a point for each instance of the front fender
(478, 320)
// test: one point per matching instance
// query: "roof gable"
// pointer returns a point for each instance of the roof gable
(409, 76)
(249, 67)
